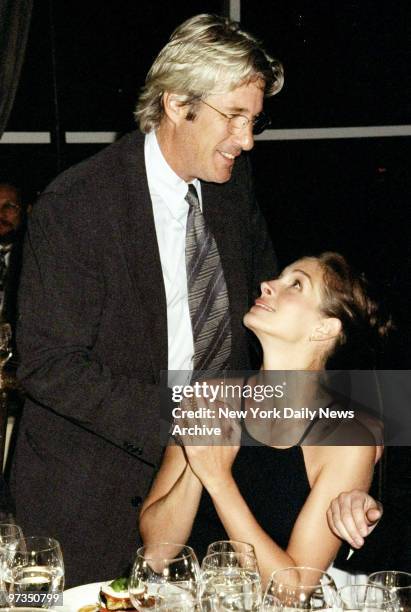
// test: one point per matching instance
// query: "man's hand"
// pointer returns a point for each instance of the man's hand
(352, 516)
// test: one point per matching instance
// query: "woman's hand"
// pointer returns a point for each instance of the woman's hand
(211, 456)
(212, 464)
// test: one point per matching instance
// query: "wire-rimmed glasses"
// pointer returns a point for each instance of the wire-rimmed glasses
(237, 123)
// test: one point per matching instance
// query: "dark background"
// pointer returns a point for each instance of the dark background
(346, 64)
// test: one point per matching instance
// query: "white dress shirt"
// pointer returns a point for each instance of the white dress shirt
(170, 209)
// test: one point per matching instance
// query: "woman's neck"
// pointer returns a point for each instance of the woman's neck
(282, 356)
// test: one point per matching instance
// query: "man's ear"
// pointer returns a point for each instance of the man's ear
(173, 107)
(329, 328)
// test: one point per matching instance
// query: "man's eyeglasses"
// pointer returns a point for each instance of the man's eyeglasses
(10, 207)
(236, 123)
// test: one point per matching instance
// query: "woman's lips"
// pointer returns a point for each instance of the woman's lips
(263, 305)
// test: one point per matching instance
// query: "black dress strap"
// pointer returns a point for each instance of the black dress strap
(311, 425)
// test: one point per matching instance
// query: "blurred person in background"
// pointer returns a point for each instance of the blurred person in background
(12, 226)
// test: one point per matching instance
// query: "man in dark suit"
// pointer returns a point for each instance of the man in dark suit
(12, 217)
(11, 234)
(105, 305)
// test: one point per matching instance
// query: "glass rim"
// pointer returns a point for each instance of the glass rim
(394, 573)
(322, 573)
(367, 585)
(250, 559)
(229, 552)
(52, 543)
(191, 552)
(230, 542)
(12, 527)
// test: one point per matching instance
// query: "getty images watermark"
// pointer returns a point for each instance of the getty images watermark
(287, 408)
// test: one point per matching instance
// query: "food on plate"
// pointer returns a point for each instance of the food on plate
(114, 596)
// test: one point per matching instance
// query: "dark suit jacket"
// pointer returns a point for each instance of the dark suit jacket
(92, 338)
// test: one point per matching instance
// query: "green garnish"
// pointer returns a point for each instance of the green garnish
(119, 584)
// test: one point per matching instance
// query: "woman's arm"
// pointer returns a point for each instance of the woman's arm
(168, 511)
(330, 470)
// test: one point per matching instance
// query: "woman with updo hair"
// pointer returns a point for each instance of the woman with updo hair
(347, 297)
(273, 484)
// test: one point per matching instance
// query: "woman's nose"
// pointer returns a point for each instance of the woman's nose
(267, 288)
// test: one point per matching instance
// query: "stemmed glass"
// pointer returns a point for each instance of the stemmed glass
(366, 597)
(170, 599)
(230, 546)
(10, 534)
(300, 588)
(398, 583)
(162, 563)
(5, 348)
(35, 572)
(235, 578)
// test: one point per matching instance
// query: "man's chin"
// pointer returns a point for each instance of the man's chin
(7, 236)
(223, 176)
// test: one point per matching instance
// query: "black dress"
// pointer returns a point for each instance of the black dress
(274, 484)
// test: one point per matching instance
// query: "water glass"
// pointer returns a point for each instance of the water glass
(159, 564)
(398, 583)
(35, 573)
(366, 597)
(10, 534)
(235, 578)
(300, 588)
(230, 546)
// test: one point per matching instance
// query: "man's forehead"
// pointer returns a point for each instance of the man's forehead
(246, 98)
(8, 192)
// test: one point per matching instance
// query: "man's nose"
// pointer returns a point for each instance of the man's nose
(245, 137)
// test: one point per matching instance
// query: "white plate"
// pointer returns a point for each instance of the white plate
(80, 596)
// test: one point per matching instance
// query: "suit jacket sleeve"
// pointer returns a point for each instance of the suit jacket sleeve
(62, 296)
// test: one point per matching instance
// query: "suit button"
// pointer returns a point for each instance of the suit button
(136, 501)
(132, 448)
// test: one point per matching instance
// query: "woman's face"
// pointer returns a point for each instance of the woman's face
(289, 307)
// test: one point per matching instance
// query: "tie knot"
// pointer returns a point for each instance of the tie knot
(192, 196)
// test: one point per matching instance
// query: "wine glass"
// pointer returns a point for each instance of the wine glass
(300, 588)
(5, 337)
(10, 534)
(35, 573)
(157, 564)
(230, 546)
(398, 583)
(366, 597)
(236, 579)
(170, 599)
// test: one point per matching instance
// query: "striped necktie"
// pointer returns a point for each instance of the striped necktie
(207, 292)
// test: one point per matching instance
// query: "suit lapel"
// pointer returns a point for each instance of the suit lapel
(139, 238)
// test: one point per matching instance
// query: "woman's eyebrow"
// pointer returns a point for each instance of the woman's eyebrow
(304, 273)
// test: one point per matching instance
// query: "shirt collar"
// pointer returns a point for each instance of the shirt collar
(163, 181)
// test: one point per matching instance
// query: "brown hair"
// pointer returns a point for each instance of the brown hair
(346, 296)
